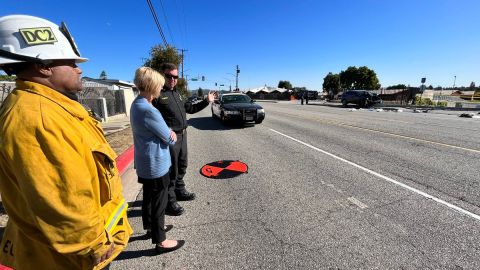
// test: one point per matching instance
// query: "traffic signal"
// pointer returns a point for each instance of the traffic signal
(203, 78)
(215, 84)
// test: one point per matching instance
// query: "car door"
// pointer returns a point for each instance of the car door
(349, 96)
(216, 107)
(357, 96)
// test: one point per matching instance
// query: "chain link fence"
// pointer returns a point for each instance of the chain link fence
(102, 101)
(5, 89)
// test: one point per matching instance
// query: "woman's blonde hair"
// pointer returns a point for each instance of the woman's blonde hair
(148, 80)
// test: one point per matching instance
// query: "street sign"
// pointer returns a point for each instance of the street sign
(194, 79)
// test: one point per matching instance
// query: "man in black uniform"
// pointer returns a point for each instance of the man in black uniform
(174, 109)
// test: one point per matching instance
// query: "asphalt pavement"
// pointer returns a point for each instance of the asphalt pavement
(327, 188)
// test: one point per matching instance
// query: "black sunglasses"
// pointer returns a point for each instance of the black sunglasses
(168, 76)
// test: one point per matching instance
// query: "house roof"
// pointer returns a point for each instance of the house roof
(267, 89)
(109, 82)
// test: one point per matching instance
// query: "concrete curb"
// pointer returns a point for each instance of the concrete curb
(125, 166)
(124, 160)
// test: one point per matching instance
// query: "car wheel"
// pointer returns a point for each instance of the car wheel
(344, 103)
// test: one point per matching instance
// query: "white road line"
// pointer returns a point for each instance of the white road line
(426, 195)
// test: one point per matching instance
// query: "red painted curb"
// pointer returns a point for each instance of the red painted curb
(124, 160)
(2, 267)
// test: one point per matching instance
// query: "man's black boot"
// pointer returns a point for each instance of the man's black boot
(185, 196)
(174, 209)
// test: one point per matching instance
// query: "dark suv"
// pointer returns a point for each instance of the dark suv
(361, 98)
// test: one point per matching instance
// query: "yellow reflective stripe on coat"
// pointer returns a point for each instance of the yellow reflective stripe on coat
(115, 216)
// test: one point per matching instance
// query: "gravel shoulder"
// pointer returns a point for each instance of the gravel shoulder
(120, 140)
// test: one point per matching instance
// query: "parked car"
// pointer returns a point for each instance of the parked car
(312, 95)
(237, 107)
(361, 98)
(193, 99)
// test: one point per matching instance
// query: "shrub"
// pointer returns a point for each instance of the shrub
(418, 100)
(427, 101)
(442, 104)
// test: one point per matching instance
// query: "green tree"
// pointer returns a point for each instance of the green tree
(103, 75)
(331, 83)
(359, 78)
(200, 92)
(348, 77)
(285, 84)
(430, 87)
(7, 78)
(182, 87)
(160, 54)
(398, 86)
(472, 86)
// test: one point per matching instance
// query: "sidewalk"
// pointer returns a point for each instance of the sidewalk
(131, 187)
(117, 124)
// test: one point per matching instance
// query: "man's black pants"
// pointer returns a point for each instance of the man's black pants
(153, 206)
(179, 157)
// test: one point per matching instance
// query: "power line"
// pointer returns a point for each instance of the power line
(182, 23)
(155, 18)
(166, 21)
(157, 22)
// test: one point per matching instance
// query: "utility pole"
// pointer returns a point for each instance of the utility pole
(182, 50)
(236, 78)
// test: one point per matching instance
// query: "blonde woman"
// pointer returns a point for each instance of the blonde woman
(151, 138)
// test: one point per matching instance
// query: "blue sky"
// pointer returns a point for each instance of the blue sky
(271, 40)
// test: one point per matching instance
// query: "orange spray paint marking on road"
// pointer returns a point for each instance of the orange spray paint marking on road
(224, 169)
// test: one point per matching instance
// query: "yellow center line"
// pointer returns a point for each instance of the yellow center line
(387, 133)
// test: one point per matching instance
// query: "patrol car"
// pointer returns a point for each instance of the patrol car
(237, 107)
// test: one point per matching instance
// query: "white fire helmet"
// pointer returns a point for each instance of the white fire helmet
(26, 38)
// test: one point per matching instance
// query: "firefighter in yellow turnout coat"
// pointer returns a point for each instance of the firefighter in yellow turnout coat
(58, 178)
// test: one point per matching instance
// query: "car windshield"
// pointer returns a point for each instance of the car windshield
(236, 99)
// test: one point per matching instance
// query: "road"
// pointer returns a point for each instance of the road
(327, 188)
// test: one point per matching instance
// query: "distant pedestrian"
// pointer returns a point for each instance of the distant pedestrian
(59, 181)
(151, 138)
(174, 109)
